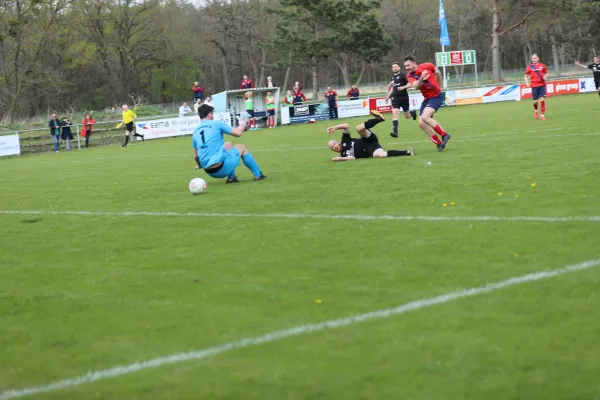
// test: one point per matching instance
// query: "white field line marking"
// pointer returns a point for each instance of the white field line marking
(484, 218)
(121, 370)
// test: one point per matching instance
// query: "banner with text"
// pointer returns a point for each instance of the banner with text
(587, 85)
(501, 93)
(10, 145)
(301, 113)
(450, 58)
(554, 88)
(169, 127)
(379, 103)
(353, 108)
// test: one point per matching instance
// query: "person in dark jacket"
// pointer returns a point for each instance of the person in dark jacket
(54, 125)
(66, 133)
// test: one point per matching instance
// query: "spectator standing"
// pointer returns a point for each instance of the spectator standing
(66, 133)
(86, 131)
(198, 91)
(247, 83)
(270, 82)
(331, 97)
(270, 102)
(184, 109)
(299, 97)
(197, 105)
(353, 93)
(249, 104)
(289, 99)
(54, 125)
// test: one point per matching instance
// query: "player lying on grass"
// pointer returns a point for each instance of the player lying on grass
(366, 147)
(221, 158)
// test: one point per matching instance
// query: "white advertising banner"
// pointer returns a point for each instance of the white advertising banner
(415, 101)
(10, 145)
(501, 93)
(469, 96)
(169, 127)
(285, 115)
(587, 85)
(353, 108)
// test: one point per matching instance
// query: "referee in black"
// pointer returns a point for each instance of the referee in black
(595, 67)
(400, 99)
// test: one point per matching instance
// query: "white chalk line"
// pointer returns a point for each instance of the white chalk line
(94, 376)
(482, 218)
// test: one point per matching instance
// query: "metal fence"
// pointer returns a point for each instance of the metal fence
(103, 133)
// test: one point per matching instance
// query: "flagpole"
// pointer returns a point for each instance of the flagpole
(444, 39)
(444, 72)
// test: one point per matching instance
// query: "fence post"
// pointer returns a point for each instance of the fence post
(78, 138)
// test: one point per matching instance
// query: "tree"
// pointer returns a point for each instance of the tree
(497, 33)
(358, 36)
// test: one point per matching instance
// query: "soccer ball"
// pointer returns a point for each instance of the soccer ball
(197, 186)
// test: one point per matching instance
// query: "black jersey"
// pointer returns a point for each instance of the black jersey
(398, 80)
(359, 148)
(596, 69)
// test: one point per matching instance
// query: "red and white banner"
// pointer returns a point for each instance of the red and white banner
(379, 103)
(554, 88)
(501, 93)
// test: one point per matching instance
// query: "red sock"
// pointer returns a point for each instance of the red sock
(436, 139)
(535, 106)
(543, 107)
(438, 129)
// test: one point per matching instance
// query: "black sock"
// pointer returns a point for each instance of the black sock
(372, 122)
(397, 153)
(395, 125)
(137, 134)
(126, 139)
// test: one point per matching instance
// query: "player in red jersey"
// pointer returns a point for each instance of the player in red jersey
(425, 77)
(535, 78)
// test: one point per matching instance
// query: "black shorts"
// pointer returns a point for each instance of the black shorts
(129, 126)
(597, 82)
(250, 113)
(371, 144)
(271, 112)
(400, 103)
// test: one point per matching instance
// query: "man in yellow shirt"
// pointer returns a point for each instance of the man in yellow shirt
(128, 117)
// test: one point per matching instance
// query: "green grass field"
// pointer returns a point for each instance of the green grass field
(89, 292)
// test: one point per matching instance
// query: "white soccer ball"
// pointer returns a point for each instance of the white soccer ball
(197, 186)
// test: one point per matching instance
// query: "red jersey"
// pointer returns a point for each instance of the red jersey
(247, 84)
(536, 73)
(430, 87)
(354, 93)
(330, 96)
